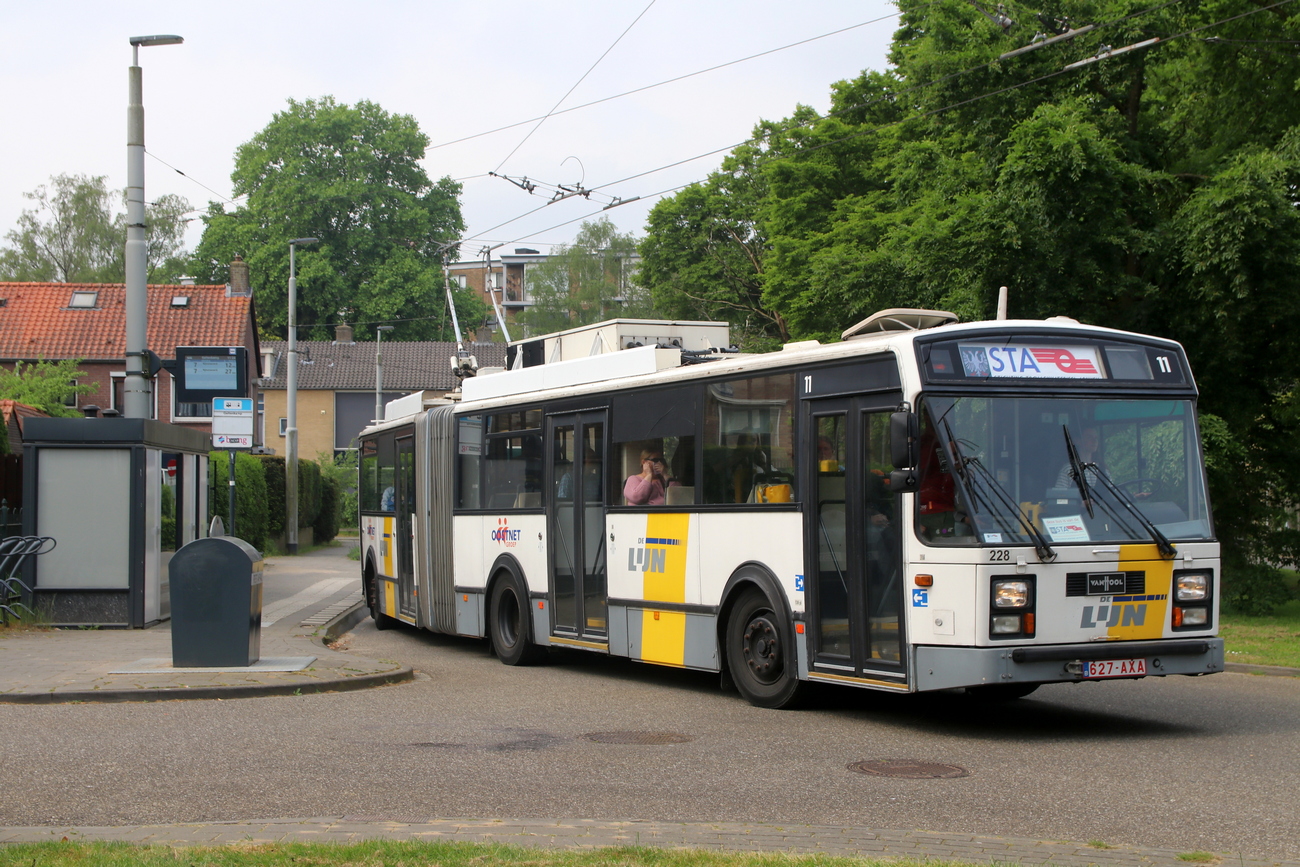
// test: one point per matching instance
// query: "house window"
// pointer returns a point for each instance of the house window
(71, 398)
(284, 426)
(117, 397)
(187, 411)
(83, 300)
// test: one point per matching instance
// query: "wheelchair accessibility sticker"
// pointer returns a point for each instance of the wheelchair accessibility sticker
(920, 598)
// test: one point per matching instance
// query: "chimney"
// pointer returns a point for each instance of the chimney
(343, 333)
(239, 278)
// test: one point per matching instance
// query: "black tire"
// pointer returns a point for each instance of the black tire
(510, 624)
(760, 655)
(382, 620)
(1001, 691)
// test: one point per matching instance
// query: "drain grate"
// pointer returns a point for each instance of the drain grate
(909, 770)
(638, 737)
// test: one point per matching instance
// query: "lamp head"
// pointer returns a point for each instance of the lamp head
(303, 241)
(156, 40)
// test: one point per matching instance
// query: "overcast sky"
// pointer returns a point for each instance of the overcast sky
(460, 68)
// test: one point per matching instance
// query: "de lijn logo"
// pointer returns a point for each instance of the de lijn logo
(650, 559)
(504, 535)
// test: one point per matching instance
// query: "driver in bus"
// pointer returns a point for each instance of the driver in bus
(1087, 445)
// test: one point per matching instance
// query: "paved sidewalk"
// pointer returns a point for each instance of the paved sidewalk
(833, 840)
(114, 665)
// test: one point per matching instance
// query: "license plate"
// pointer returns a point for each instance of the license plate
(1114, 668)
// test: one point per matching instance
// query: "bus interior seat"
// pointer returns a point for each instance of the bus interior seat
(502, 501)
(680, 495)
(528, 500)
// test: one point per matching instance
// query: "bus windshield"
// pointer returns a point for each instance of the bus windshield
(994, 468)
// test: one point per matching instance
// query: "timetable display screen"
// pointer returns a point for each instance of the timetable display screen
(207, 372)
(211, 372)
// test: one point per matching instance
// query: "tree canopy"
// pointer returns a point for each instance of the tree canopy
(72, 235)
(1154, 190)
(587, 281)
(351, 177)
(45, 385)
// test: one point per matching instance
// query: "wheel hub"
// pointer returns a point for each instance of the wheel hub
(762, 648)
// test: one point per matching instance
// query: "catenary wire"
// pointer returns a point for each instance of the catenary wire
(575, 84)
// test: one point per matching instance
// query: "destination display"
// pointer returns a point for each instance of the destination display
(1030, 358)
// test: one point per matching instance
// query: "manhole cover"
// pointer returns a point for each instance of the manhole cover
(637, 737)
(909, 770)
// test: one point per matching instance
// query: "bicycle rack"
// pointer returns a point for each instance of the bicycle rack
(14, 551)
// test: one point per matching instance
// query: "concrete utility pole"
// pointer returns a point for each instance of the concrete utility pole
(291, 425)
(137, 399)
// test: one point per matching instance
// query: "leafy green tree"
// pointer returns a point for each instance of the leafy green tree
(45, 385)
(702, 257)
(72, 235)
(350, 176)
(1153, 191)
(587, 281)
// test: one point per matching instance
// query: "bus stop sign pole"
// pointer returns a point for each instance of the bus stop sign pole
(232, 428)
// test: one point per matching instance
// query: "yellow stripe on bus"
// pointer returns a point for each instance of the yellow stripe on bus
(1144, 617)
(390, 598)
(663, 633)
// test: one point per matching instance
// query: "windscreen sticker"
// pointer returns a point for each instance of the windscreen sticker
(1066, 529)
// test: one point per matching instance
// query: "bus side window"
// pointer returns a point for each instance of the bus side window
(469, 457)
(368, 478)
(387, 473)
(749, 440)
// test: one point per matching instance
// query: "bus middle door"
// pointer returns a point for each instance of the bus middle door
(576, 512)
(404, 536)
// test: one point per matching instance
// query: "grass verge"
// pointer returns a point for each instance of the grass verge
(391, 854)
(1269, 639)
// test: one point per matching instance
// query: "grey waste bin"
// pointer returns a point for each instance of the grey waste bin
(216, 588)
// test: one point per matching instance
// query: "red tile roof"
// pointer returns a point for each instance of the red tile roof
(36, 321)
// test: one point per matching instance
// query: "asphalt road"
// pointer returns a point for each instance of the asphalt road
(1187, 763)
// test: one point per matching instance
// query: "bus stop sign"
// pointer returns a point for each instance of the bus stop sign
(232, 422)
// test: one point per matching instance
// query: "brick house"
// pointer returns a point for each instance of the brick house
(336, 385)
(56, 321)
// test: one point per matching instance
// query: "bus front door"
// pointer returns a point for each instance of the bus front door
(854, 546)
(576, 512)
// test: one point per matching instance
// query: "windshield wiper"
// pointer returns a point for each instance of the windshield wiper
(1076, 471)
(1163, 544)
(1041, 546)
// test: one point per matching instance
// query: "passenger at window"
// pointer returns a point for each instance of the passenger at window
(647, 487)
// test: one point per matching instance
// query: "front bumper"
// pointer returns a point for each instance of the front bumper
(939, 667)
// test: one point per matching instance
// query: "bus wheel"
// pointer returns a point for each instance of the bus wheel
(1001, 691)
(760, 658)
(508, 624)
(382, 620)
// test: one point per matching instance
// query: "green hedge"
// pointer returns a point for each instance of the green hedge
(251, 508)
(260, 507)
(327, 522)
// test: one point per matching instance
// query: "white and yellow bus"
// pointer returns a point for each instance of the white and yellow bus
(926, 505)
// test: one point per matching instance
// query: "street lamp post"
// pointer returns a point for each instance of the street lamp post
(379, 372)
(291, 427)
(137, 402)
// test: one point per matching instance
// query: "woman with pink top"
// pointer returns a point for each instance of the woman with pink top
(646, 488)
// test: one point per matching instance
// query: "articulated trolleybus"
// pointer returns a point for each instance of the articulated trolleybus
(927, 505)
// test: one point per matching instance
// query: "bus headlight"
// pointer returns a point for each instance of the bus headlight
(1010, 593)
(1191, 586)
(1011, 604)
(1006, 624)
(1193, 592)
